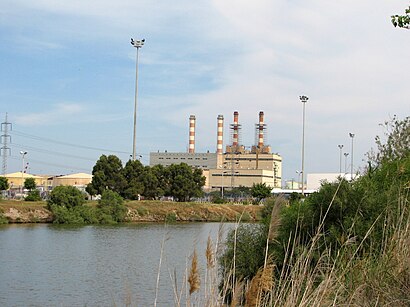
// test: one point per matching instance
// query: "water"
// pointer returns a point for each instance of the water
(49, 265)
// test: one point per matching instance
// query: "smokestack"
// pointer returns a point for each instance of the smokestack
(220, 133)
(191, 134)
(260, 128)
(235, 128)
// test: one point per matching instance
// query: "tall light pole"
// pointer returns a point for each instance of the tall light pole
(23, 154)
(346, 155)
(137, 44)
(299, 173)
(303, 99)
(351, 156)
(340, 162)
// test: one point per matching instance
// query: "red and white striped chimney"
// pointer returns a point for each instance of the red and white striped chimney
(220, 133)
(235, 128)
(260, 128)
(191, 148)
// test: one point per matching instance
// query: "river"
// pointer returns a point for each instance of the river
(54, 265)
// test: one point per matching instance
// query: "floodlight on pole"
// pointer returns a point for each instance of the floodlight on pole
(137, 44)
(340, 162)
(346, 154)
(23, 154)
(303, 99)
(351, 165)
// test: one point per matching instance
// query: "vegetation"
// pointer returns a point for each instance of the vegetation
(402, 21)
(68, 207)
(112, 205)
(33, 194)
(4, 184)
(332, 246)
(3, 219)
(260, 191)
(135, 180)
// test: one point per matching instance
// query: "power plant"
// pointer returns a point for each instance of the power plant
(238, 166)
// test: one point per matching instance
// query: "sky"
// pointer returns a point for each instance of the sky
(67, 77)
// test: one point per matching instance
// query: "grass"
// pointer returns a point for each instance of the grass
(345, 277)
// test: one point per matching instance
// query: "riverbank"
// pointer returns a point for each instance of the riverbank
(141, 211)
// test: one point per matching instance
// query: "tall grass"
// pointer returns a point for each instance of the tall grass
(343, 277)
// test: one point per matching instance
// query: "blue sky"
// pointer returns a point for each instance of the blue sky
(68, 76)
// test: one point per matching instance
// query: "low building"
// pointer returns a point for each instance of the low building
(315, 180)
(16, 180)
(78, 180)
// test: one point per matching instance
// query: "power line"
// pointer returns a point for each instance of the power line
(35, 137)
(54, 164)
(50, 152)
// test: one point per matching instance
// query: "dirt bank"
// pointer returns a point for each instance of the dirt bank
(140, 211)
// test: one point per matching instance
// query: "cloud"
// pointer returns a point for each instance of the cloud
(60, 113)
(214, 57)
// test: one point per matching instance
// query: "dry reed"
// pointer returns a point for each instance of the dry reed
(193, 277)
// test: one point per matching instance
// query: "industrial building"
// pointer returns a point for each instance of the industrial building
(47, 182)
(237, 166)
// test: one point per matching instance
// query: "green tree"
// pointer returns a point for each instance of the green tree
(133, 175)
(66, 196)
(30, 184)
(152, 190)
(112, 205)
(33, 194)
(4, 184)
(161, 173)
(260, 191)
(107, 174)
(184, 183)
(402, 21)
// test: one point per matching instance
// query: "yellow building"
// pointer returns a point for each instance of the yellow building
(16, 180)
(79, 180)
(47, 182)
(245, 169)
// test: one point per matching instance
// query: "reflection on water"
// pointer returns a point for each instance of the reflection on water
(49, 265)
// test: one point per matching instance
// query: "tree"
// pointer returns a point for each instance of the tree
(33, 194)
(402, 21)
(30, 184)
(4, 184)
(107, 174)
(260, 191)
(184, 183)
(152, 189)
(66, 196)
(133, 174)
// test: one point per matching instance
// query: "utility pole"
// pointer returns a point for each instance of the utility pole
(5, 139)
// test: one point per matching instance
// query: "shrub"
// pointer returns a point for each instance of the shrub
(3, 219)
(63, 215)
(112, 204)
(249, 240)
(171, 218)
(33, 195)
(66, 196)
